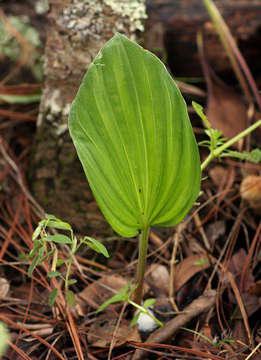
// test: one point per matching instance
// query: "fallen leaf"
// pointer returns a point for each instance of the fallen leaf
(98, 292)
(235, 267)
(226, 111)
(102, 331)
(188, 268)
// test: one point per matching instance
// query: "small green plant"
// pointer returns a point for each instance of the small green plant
(45, 248)
(131, 130)
(124, 295)
(130, 127)
(219, 146)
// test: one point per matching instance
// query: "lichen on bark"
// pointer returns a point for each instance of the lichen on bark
(77, 30)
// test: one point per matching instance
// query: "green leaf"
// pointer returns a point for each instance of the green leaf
(96, 246)
(53, 297)
(71, 282)
(59, 238)
(70, 297)
(199, 110)
(61, 225)
(255, 156)
(33, 264)
(121, 295)
(131, 130)
(37, 232)
(148, 302)
(135, 319)
(52, 274)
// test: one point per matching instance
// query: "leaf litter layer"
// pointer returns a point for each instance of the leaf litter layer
(217, 248)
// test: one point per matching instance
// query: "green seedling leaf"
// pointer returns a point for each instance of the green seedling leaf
(121, 296)
(201, 262)
(72, 281)
(96, 246)
(131, 130)
(135, 319)
(148, 302)
(254, 156)
(70, 297)
(51, 217)
(59, 262)
(37, 244)
(37, 232)
(199, 111)
(61, 225)
(33, 264)
(53, 297)
(52, 274)
(59, 238)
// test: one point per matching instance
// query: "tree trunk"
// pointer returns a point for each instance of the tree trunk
(77, 30)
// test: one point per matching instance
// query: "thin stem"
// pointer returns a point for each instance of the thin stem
(218, 151)
(143, 245)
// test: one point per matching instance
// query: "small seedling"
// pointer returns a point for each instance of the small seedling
(45, 248)
(124, 295)
(219, 146)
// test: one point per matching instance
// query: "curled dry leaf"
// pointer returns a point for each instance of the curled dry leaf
(226, 110)
(188, 268)
(98, 292)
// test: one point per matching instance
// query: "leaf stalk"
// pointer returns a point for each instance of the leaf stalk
(143, 245)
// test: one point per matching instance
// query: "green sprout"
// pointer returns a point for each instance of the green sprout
(45, 247)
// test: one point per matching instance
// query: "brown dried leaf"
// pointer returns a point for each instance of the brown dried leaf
(235, 267)
(188, 268)
(101, 290)
(226, 111)
(102, 331)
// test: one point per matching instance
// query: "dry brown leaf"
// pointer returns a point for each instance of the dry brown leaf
(101, 290)
(188, 268)
(235, 267)
(226, 111)
(102, 331)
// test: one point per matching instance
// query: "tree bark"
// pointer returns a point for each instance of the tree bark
(77, 30)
